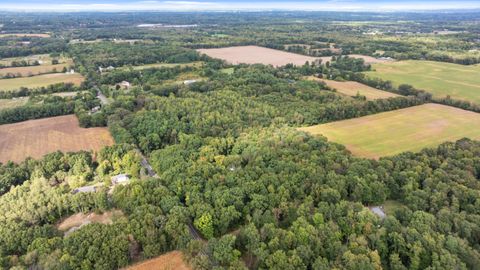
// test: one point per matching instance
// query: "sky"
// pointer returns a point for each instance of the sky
(223, 5)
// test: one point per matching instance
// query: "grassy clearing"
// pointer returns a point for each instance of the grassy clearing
(353, 88)
(44, 59)
(40, 80)
(440, 79)
(12, 103)
(410, 129)
(36, 70)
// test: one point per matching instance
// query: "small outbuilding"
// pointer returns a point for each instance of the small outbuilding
(120, 179)
(85, 189)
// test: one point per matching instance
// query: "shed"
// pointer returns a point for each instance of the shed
(120, 179)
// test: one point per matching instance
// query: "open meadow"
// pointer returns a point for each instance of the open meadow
(257, 55)
(410, 129)
(40, 81)
(43, 59)
(350, 88)
(36, 138)
(438, 78)
(12, 103)
(35, 70)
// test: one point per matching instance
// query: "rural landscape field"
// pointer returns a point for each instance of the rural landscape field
(441, 79)
(36, 138)
(283, 135)
(410, 129)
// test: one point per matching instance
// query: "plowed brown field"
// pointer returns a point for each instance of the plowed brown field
(36, 138)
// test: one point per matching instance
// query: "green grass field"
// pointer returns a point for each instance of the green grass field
(410, 129)
(438, 78)
(39, 81)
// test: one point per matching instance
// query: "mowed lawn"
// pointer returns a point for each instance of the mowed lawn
(438, 78)
(36, 138)
(40, 80)
(350, 88)
(410, 129)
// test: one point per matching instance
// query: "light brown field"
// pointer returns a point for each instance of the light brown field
(44, 59)
(350, 88)
(257, 55)
(394, 132)
(168, 261)
(35, 70)
(79, 219)
(25, 35)
(36, 138)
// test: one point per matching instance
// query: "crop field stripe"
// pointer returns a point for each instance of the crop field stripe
(410, 129)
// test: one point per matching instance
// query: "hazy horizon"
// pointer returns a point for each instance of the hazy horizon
(228, 5)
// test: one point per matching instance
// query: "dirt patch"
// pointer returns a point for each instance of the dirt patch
(169, 261)
(36, 138)
(78, 220)
(257, 55)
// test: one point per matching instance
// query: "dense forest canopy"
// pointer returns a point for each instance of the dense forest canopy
(233, 183)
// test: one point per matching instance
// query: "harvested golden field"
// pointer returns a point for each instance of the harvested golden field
(40, 80)
(394, 132)
(35, 70)
(24, 35)
(350, 88)
(257, 55)
(168, 261)
(36, 138)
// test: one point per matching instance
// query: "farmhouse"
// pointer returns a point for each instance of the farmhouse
(120, 179)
